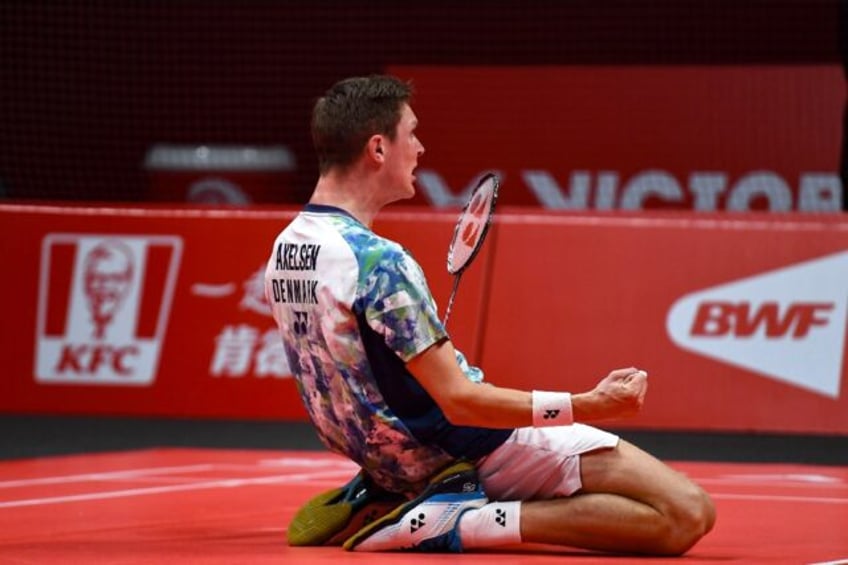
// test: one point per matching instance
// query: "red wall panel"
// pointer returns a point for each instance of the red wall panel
(218, 353)
(574, 297)
(740, 320)
(634, 137)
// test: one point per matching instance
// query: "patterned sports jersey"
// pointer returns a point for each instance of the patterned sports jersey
(352, 308)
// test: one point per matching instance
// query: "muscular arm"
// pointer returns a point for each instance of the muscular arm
(466, 403)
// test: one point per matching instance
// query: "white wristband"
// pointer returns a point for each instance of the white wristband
(551, 409)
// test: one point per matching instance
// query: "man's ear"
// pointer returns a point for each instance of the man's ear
(376, 147)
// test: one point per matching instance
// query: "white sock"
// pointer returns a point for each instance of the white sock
(497, 523)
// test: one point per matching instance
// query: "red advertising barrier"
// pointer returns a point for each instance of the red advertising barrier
(740, 320)
(635, 137)
(161, 311)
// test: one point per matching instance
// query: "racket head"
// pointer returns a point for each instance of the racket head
(473, 223)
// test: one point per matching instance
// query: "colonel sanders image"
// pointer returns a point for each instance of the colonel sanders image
(108, 275)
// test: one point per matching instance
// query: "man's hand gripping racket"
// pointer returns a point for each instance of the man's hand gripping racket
(471, 229)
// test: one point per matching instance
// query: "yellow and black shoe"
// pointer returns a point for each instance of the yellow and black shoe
(333, 516)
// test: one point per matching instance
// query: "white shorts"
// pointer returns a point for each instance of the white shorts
(540, 463)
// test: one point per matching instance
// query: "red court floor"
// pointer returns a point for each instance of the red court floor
(204, 506)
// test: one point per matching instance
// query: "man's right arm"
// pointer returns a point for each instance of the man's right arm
(465, 403)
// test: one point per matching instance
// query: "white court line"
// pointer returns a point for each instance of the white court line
(842, 561)
(311, 462)
(788, 479)
(315, 477)
(834, 486)
(777, 498)
(105, 476)
(226, 483)
(261, 466)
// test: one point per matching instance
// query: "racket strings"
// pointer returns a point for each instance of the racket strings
(472, 224)
(470, 232)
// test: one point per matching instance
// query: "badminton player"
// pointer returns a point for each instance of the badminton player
(470, 465)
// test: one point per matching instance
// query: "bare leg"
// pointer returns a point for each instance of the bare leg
(630, 502)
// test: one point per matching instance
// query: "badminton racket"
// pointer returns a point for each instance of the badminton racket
(470, 231)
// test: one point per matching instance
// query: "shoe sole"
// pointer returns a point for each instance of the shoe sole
(318, 521)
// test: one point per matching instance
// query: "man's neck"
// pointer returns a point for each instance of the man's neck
(351, 193)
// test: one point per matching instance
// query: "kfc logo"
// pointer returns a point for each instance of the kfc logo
(107, 272)
(787, 324)
(103, 307)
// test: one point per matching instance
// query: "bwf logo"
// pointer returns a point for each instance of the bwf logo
(103, 307)
(787, 324)
(745, 319)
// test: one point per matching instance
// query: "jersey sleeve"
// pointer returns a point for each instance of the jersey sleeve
(397, 303)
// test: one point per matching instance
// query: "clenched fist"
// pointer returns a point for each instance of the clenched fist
(619, 394)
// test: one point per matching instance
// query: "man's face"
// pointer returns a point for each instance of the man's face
(402, 155)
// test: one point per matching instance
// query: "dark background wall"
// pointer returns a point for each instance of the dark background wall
(88, 87)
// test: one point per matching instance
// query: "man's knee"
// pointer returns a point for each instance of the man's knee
(690, 518)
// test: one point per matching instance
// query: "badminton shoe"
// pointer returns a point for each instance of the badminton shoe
(333, 516)
(429, 522)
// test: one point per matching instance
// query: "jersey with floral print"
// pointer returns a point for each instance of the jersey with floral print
(352, 308)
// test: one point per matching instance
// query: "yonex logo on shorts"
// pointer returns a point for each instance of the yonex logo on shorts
(787, 324)
(103, 308)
